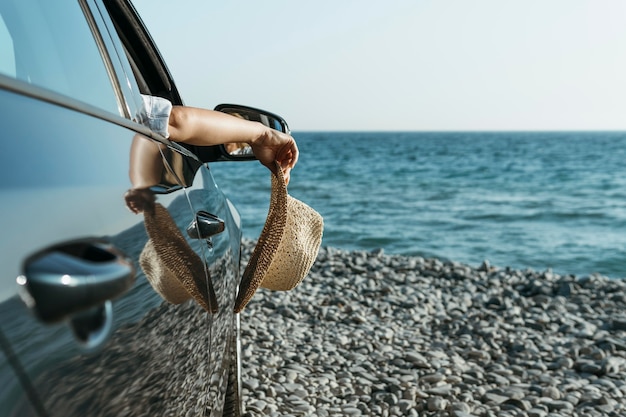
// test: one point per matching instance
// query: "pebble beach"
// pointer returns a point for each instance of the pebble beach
(372, 334)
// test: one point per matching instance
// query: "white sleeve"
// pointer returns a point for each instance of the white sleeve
(157, 114)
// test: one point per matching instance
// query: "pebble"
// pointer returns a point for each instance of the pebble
(376, 334)
(405, 336)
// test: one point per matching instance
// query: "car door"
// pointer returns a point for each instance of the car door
(216, 237)
(88, 334)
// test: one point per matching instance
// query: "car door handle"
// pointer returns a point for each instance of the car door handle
(205, 225)
(74, 277)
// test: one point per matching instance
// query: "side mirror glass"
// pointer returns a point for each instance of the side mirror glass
(242, 151)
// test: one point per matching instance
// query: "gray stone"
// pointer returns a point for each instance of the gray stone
(551, 392)
(437, 404)
(519, 404)
(389, 335)
(460, 407)
(559, 405)
(494, 398)
(537, 412)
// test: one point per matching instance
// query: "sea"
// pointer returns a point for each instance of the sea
(525, 200)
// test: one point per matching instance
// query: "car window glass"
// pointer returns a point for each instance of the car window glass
(7, 55)
(49, 44)
(151, 75)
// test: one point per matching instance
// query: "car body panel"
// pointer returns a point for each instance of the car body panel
(65, 167)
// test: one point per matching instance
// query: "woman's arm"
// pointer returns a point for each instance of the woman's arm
(146, 169)
(203, 127)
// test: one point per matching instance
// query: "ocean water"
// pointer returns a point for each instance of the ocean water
(525, 200)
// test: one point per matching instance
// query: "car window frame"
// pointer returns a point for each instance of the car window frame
(142, 48)
(125, 88)
(152, 65)
(122, 117)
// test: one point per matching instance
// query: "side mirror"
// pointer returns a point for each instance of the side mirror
(242, 151)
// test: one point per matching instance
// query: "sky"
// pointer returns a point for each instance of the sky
(416, 65)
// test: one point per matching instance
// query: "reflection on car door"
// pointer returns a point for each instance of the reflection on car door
(207, 205)
(62, 201)
(66, 204)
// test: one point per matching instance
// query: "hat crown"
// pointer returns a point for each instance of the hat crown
(287, 246)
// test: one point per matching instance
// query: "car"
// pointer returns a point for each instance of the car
(84, 331)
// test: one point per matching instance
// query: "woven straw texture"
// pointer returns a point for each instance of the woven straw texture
(298, 247)
(286, 248)
(173, 257)
(160, 277)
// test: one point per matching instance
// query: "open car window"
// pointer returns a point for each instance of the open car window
(148, 68)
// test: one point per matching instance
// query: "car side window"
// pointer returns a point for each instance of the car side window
(149, 70)
(49, 44)
(7, 57)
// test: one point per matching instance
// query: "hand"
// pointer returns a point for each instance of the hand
(139, 200)
(272, 146)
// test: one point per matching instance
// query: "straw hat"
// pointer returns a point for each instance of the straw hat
(173, 269)
(287, 246)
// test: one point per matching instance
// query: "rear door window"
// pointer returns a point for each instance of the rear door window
(49, 44)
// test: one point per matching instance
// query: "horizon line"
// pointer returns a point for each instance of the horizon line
(460, 131)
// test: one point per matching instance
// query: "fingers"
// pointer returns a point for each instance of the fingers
(287, 175)
(288, 157)
(139, 200)
(288, 161)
